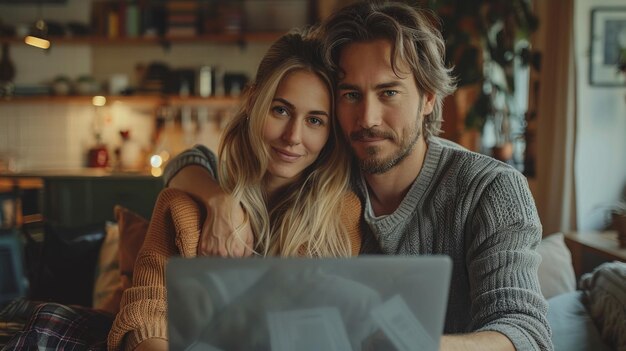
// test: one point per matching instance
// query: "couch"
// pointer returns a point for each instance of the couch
(588, 315)
(78, 275)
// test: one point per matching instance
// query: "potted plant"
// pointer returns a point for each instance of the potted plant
(86, 85)
(483, 39)
(618, 221)
(61, 85)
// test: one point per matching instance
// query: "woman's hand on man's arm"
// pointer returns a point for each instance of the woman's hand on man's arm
(222, 232)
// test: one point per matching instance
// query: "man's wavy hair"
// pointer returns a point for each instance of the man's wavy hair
(415, 40)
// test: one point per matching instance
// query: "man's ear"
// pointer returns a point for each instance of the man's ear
(429, 103)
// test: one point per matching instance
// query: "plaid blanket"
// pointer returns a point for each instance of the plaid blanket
(14, 316)
(54, 326)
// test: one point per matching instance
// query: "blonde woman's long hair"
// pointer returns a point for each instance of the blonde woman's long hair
(305, 219)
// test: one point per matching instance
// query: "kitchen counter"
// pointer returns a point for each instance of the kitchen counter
(80, 197)
(76, 173)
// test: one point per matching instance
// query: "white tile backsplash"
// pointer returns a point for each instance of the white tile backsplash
(35, 66)
(46, 136)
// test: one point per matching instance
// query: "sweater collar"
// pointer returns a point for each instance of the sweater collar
(413, 197)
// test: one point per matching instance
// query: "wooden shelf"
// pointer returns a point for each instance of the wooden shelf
(224, 101)
(200, 101)
(590, 248)
(243, 38)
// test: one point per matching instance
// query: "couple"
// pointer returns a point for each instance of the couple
(375, 80)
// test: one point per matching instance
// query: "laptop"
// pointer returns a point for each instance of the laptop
(285, 304)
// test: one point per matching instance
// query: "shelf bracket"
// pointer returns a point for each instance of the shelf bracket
(242, 43)
(166, 45)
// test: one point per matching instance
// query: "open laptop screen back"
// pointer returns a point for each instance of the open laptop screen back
(365, 303)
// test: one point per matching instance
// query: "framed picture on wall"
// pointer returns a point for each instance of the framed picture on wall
(608, 46)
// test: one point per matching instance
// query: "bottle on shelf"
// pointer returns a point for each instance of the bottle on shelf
(7, 72)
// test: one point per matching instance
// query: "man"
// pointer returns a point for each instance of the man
(424, 195)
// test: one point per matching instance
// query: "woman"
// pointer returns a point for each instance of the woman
(282, 159)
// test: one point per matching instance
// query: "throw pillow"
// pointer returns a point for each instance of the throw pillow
(605, 296)
(133, 228)
(556, 273)
(107, 284)
(572, 327)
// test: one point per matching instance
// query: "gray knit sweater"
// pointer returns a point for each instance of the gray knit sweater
(481, 213)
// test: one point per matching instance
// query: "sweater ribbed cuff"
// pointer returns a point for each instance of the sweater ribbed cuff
(520, 338)
(190, 157)
(135, 337)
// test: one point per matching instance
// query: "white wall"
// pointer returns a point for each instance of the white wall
(601, 130)
(71, 10)
(36, 66)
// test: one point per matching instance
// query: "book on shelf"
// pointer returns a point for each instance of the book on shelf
(132, 20)
(182, 18)
(165, 18)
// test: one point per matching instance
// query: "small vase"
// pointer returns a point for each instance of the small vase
(98, 156)
(131, 153)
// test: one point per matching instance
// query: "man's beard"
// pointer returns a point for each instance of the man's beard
(373, 165)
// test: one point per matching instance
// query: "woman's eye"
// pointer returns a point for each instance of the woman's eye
(316, 121)
(279, 110)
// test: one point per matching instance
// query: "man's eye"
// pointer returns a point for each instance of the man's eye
(351, 96)
(279, 110)
(390, 93)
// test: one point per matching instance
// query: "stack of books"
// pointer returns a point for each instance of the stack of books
(182, 18)
(128, 18)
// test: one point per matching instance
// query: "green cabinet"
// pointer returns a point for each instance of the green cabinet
(81, 201)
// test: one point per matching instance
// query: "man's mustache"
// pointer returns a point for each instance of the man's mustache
(370, 133)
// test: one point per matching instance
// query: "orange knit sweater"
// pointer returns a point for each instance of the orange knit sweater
(174, 231)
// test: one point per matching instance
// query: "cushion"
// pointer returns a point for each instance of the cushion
(114, 272)
(133, 228)
(107, 284)
(605, 296)
(67, 264)
(572, 327)
(556, 273)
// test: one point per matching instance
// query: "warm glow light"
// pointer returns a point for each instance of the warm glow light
(164, 156)
(156, 171)
(99, 100)
(37, 42)
(156, 161)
